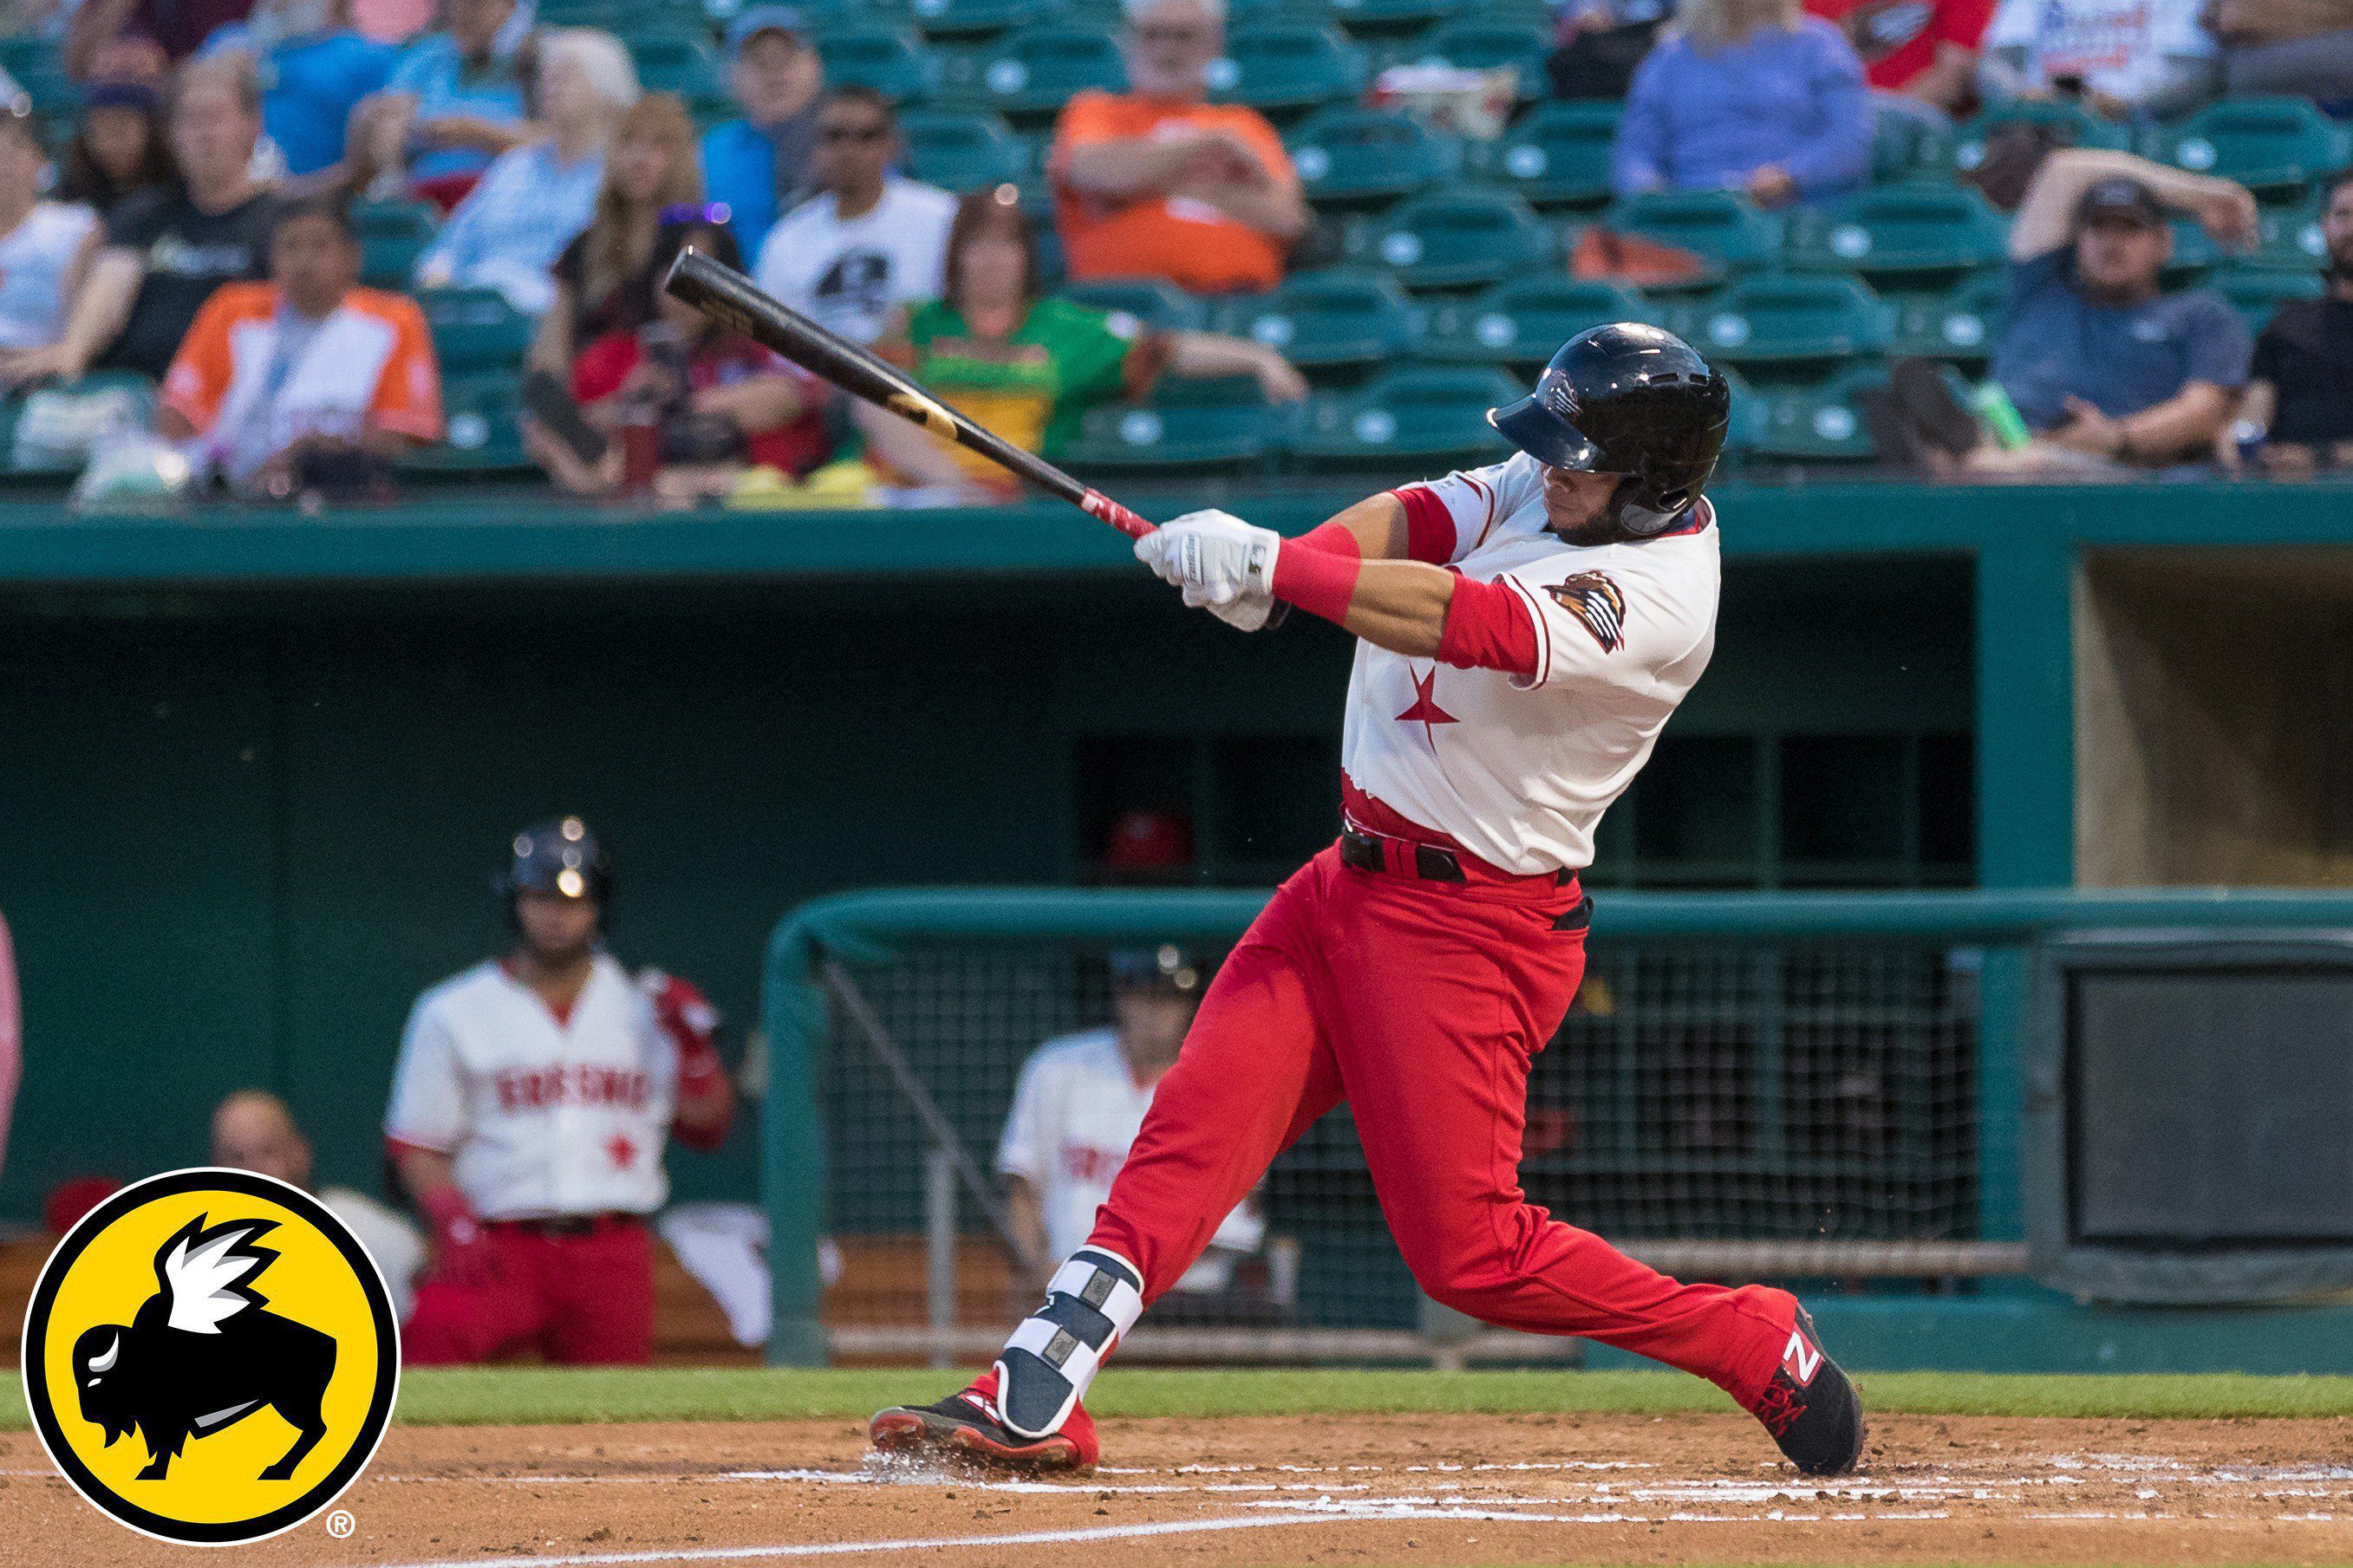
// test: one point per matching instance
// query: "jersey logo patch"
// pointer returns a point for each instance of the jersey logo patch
(1598, 605)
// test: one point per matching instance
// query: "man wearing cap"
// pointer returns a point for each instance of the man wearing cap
(759, 165)
(1079, 1103)
(530, 1105)
(455, 101)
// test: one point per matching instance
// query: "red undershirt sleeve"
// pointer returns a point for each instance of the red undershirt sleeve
(1429, 526)
(1488, 627)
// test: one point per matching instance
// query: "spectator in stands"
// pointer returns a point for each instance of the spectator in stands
(120, 149)
(1025, 366)
(2301, 48)
(455, 101)
(308, 382)
(316, 67)
(45, 247)
(1597, 43)
(2298, 411)
(1159, 183)
(1746, 95)
(758, 165)
(533, 200)
(652, 173)
(254, 1131)
(166, 250)
(1923, 54)
(176, 26)
(2123, 58)
(870, 240)
(1079, 1104)
(711, 401)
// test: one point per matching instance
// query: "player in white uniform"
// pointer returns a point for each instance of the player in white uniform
(1525, 630)
(529, 1106)
(1079, 1104)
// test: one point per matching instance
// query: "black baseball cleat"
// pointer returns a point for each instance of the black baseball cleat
(1811, 1408)
(962, 1428)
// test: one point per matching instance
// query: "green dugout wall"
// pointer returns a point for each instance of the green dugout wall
(255, 769)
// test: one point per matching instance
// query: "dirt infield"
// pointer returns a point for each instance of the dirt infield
(1353, 1490)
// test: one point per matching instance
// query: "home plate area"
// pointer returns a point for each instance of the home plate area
(1364, 1489)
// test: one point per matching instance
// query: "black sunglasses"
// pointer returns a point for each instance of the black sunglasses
(852, 132)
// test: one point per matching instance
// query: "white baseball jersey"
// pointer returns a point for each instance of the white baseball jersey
(1519, 772)
(1076, 1111)
(544, 1116)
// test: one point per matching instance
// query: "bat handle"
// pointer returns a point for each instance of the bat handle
(1101, 505)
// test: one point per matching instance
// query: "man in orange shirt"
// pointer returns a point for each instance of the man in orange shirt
(307, 380)
(1158, 183)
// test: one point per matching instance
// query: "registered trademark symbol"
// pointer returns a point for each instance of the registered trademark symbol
(340, 1523)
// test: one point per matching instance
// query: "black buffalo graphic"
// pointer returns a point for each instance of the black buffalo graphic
(203, 1352)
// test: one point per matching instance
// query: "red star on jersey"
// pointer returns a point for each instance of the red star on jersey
(622, 1151)
(1425, 711)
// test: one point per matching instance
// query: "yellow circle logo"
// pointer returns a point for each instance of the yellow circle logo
(211, 1356)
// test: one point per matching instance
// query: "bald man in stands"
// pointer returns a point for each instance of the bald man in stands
(254, 1131)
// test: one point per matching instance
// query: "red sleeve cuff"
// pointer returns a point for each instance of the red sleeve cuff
(1488, 627)
(1429, 526)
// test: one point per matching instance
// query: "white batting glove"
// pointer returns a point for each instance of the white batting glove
(1221, 563)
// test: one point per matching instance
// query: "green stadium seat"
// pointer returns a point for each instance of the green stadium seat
(1897, 230)
(1189, 424)
(2076, 126)
(1957, 324)
(1031, 73)
(1821, 423)
(871, 53)
(1153, 302)
(1522, 321)
(1723, 229)
(475, 328)
(1350, 156)
(2288, 238)
(1462, 239)
(962, 150)
(2194, 254)
(392, 236)
(1749, 413)
(675, 63)
(1341, 318)
(2275, 146)
(971, 18)
(1782, 321)
(2257, 292)
(1435, 414)
(1393, 16)
(1906, 147)
(1287, 68)
(482, 426)
(1558, 155)
(1479, 44)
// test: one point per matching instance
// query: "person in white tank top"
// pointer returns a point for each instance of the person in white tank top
(45, 247)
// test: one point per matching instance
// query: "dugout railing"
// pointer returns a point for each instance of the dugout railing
(1749, 1086)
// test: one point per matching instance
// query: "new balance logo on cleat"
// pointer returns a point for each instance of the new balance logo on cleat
(1802, 1359)
(1811, 1407)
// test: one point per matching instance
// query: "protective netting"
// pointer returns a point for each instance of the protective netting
(1698, 1090)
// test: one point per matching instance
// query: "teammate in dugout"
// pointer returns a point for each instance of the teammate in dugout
(530, 1105)
(1525, 631)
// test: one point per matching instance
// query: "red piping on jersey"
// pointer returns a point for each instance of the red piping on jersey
(1429, 526)
(1488, 627)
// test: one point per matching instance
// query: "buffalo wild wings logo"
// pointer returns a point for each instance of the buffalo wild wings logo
(1598, 605)
(210, 1357)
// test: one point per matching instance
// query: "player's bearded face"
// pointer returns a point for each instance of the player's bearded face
(1576, 504)
(556, 931)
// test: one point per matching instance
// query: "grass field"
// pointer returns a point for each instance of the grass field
(540, 1396)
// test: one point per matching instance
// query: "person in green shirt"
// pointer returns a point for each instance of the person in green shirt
(1026, 366)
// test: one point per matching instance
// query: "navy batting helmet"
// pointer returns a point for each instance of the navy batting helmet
(559, 858)
(1632, 400)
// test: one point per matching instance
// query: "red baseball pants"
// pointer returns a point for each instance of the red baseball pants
(581, 1301)
(1420, 1003)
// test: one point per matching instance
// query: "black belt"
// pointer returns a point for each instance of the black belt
(1431, 862)
(574, 1223)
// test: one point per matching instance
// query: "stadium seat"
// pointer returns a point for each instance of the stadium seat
(1723, 229)
(1558, 155)
(1522, 321)
(482, 428)
(1782, 321)
(1480, 43)
(1957, 324)
(1896, 230)
(475, 328)
(2077, 127)
(2256, 292)
(1462, 239)
(1435, 414)
(1033, 72)
(2289, 238)
(962, 150)
(2194, 254)
(886, 59)
(392, 236)
(1393, 16)
(1287, 68)
(1818, 423)
(1350, 156)
(1185, 423)
(2276, 147)
(1148, 299)
(1341, 318)
(974, 19)
(1906, 147)
(677, 63)
(1749, 413)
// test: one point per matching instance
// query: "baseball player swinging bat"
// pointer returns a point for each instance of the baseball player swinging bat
(727, 296)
